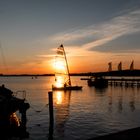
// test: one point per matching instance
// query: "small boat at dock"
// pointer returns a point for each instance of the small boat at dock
(10, 124)
(98, 82)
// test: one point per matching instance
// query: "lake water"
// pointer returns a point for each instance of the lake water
(79, 115)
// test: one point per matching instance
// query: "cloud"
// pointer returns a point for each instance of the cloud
(117, 27)
(46, 56)
(75, 34)
(71, 51)
(126, 24)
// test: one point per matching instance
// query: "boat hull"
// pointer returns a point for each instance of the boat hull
(67, 88)
(10, 124)
(98, 82)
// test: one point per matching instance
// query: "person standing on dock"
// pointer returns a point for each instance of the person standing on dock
(110, 66)
(120, 66)
(132, 65)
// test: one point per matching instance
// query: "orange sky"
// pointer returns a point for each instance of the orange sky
(79, 60)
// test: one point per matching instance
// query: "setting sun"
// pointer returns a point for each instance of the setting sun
(59, 65)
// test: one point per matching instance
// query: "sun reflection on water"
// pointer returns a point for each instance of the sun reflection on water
(59, 97)
(62, 106)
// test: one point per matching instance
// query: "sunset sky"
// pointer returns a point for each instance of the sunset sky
(93, 32)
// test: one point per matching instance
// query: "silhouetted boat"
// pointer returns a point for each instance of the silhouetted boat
(67, 88)
(98, 81)
(62, 76)
(9, 123)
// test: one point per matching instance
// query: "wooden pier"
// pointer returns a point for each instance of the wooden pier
(127, 82)
(127, 78)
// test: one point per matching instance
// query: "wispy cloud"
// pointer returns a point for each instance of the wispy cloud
(76, 34)
(117, 27)
(46, 56)
(105, 32)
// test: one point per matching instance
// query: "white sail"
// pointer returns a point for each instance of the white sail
(62, 77)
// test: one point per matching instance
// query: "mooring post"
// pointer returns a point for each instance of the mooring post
(50, 94)
(22, 110)
(50, 97)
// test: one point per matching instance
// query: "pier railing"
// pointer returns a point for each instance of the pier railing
(124, 82)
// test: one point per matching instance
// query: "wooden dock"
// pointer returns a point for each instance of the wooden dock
(127, 82)
(118, 81)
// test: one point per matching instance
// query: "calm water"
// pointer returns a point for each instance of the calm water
(78, 114)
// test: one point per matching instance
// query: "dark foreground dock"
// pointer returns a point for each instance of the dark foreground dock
(130, 134)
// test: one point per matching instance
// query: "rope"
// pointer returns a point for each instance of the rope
(24, 97)
(39, 111)
(21, 91)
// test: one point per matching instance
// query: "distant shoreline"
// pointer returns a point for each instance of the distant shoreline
(112, 73)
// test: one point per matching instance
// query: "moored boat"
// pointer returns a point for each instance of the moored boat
(10, 124)
(98, 82)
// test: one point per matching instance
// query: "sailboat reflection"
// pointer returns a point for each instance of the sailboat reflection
(62, 104)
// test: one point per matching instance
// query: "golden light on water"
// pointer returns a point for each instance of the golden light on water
(59, 97)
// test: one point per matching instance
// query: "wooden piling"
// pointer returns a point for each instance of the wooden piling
(50, 97)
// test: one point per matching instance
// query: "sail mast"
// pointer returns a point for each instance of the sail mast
(62, 78)
(66, 64)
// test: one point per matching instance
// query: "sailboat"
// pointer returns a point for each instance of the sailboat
(62, 76)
